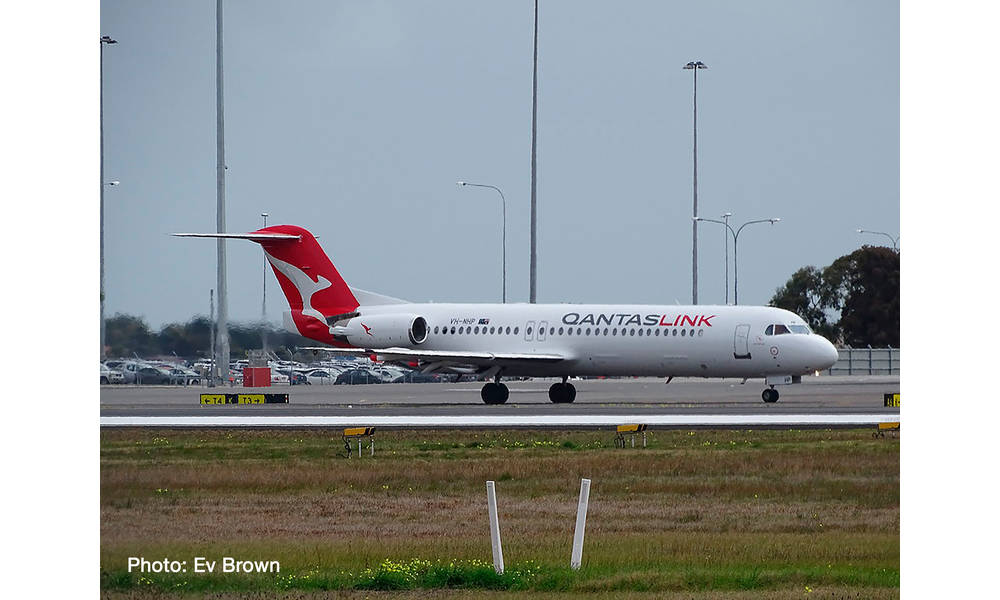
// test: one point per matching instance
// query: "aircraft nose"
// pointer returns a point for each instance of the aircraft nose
(828, 353)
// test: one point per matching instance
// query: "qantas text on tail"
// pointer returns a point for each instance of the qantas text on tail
(560, 340)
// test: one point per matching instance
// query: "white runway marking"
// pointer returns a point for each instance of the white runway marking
(505, 421)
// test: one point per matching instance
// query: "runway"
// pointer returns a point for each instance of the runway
(818, 401)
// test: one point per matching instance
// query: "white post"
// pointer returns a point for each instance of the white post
(491, 501)
(581, 524)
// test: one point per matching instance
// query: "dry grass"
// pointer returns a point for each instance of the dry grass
(794, 501)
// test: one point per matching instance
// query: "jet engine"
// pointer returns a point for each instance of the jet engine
(382, 331)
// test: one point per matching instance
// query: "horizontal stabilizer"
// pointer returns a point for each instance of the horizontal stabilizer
(366, 298)
(255, 237)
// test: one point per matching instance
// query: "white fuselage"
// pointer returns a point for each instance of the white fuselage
(639, 340)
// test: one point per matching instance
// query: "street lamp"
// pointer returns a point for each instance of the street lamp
(104, 40)
(695, 66)
(503, 234)
(725, 237)
(263, 302)
(736, 236)
(894, 240)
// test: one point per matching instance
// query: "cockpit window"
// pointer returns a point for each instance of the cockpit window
(776, 329)
(800, 329)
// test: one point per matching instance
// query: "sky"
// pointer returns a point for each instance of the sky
(355, 120)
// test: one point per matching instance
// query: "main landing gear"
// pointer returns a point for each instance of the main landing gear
(562, 393)
(770, 395)
(495, 392)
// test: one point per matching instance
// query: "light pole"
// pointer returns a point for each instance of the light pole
(725, 236)
(503, 234)
(104, 40)
(695, 66)
(894, 240)
(263, 302)
(736, 236)
(533, 259)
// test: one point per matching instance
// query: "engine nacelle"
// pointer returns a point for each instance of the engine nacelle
(382, 331)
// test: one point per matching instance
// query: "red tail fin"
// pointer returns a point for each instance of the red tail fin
(312, 285)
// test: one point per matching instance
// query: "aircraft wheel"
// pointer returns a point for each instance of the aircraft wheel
(494, 393)
(562, 393)
(770, 395)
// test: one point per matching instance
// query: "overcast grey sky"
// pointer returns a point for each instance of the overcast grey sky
(355, 120)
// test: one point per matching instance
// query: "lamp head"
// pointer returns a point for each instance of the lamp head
(459, 183)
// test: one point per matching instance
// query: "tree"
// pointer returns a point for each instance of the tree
(853, 301)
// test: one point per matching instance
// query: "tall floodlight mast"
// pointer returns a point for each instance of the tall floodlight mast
(222, 331)
(695, 66)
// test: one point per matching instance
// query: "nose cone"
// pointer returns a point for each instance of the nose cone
(827, 353)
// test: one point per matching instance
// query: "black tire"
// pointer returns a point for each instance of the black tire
(493, 394)
(770, 396)
(104, 380)
(562, 393)
(504, 392)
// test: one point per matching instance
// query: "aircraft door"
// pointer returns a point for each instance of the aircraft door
(741, 342)
(529, 331)
(542, 326)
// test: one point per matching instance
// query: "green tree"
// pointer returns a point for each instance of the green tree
(127, 335)
(853, 301)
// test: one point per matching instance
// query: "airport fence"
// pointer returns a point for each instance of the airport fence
(866, 361)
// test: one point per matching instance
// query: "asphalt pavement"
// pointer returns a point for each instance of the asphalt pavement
(823, 395)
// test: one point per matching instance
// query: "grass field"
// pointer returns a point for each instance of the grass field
(698, 514)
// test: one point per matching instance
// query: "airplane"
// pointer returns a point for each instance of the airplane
(535, 340)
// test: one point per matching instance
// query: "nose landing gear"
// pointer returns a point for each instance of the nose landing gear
(562, 393)
(770, 395)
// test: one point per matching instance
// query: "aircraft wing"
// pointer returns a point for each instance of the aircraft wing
(445, 356)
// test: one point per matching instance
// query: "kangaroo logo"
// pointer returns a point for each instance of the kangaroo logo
(368, 329)
(303, 284)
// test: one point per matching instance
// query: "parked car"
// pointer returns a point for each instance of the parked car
(418, 377)
(296, 378)
(182, 376)
(110, 376)
(153, 376)
(321, 377)
(354, 376)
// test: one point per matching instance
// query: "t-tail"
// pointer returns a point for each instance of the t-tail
(314, 289)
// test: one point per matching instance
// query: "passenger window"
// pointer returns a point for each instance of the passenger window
(452, 331)
(631, 332)
(477, 328)
(515, 330)
(435, 330)
(675, 333)
(560, 331)
(683, 332)
(640, 333)
(614, 331)
(588, 331)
